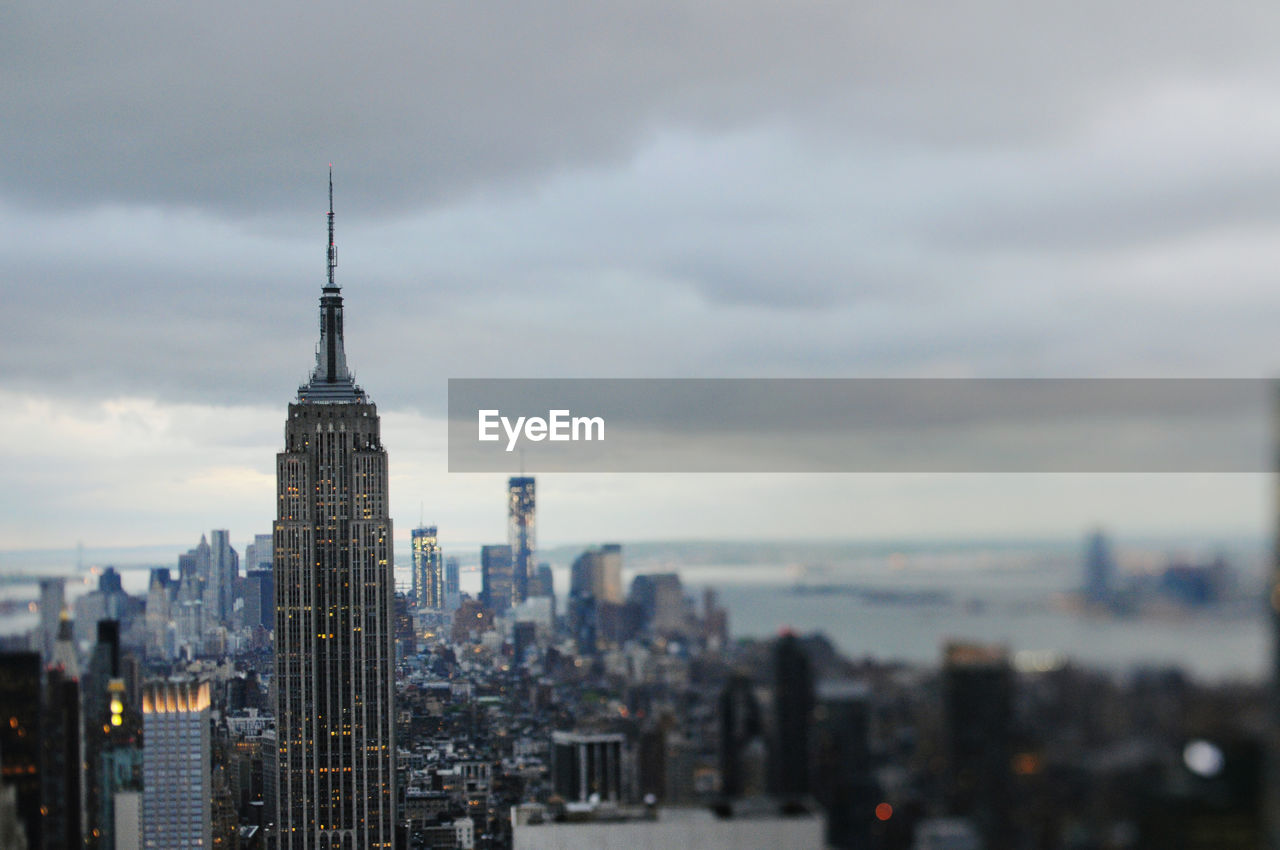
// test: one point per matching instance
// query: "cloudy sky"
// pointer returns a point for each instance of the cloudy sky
(658, 189)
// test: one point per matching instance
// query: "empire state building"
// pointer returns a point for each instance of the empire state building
(334, 641)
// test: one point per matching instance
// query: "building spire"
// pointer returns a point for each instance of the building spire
(331, 381)
(333, 251)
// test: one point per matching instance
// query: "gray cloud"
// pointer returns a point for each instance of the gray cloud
(658, 189)
(238, 105)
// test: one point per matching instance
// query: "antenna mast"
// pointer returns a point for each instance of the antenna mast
(333, 252)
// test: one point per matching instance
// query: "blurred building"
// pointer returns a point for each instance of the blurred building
(53, 600)
(427, 579)
(587, 766)
(584, 827)
(224, 569)
(496, 578)
(21, 728)
(741, 740)
(452, 584)
(521, 534)
(1099, 569)
(793, 703)
(977, 699)
(60, 745)
(843, 780)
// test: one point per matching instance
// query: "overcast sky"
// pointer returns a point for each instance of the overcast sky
(662, 189)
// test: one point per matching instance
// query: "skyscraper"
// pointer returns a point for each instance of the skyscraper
(452, 592)
(793, 701)
(497, 586)
(428, 568)
(177, 789)
(224, 568)
(520, 535)
(53, 599)
(20, 736)
(977, 703)
(60, 742)
(1099, 569)
(335, 645)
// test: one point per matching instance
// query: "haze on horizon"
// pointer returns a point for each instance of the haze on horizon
(653, 189)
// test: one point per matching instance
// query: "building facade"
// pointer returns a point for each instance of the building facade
(334, 637)
(428, 568)
(176, 813)
(520, 535)
(497, 584)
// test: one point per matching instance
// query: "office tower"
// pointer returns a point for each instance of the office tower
(977, 703)
(188, 614)
(101, 734)
(452, 591)
(159, 614)
(1099, 569)
(845, 783)
(224, 568)
(520, 535)
(660, 597)
(334, 639)
(60, 768)
(20, 736)
(53, 600)
(428, 569)
(177, 789)
(597, 574)
(741, 740)
(257, 555)
(792, 717)
(497, 584)
(595, 584)
(543, 583)
(584, 766)
(259, 599)
(523, 638)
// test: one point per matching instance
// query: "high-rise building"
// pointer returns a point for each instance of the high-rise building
(595, 584)
(793, 702)
(159, 617)
(20, 736)
(60, 734)
(257, 555)
(452, 588)
(597, 573)
(224, 569)
(177, 788)
(977, 703)
(334, 638)
(428, 568)
(1099, 569)
(53, 599)
(844, 780)
(259, 599)
(521, 535)
(497, 585)
(741, 736)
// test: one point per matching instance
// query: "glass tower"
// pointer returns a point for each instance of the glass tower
(520, 535)
(428, 568)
